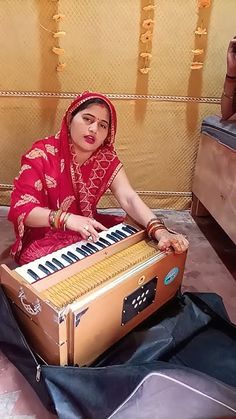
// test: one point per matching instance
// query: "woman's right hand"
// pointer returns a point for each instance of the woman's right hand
(231, 58)
(86, 226)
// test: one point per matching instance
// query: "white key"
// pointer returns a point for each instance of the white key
(22, 270)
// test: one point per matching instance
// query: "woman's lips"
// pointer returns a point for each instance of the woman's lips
(89, 139)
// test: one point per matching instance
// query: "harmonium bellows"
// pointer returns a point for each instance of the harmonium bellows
(75, 303)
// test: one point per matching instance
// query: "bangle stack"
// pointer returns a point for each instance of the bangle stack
(153, 225)
(58, 219)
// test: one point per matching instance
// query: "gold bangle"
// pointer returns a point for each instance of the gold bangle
(153, 229)
(153, 221)
(225, 95)
(68, 214)
(51, 218)
(57, 218)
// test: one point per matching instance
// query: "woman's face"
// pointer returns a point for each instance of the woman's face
(89, 128)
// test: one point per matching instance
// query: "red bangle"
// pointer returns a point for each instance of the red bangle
(61, 220)
(57, 218)
(158, 225)
(154, 222)
(152, 231)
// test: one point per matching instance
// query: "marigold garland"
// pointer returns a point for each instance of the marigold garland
(204, 3)
(57, 49)
(199, 32)
(146, 38)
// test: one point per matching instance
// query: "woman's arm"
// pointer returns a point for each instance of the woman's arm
(86, 226)
(139, 211)
(227, 98)
(129, 199)
(38, 217)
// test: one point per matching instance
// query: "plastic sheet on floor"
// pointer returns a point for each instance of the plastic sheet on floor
(181, 357)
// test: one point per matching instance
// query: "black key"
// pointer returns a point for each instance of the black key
(57, 262)
(109, 236)
(126, 228)
(51, 266)
(100, 245)
(87, 249)
(72, 256)
(117, 236)
(81, 252)
(132, 228)
(33, 274)
(121, 234)
(92, 247)
(43, 269)
(104, 241)
(65, 257)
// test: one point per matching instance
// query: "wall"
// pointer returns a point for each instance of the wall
(159, 113)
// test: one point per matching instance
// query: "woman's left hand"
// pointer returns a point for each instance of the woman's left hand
(167, 240)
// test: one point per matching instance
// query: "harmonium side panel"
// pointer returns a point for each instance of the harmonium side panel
(44, 327)
(100, 322)
(47, 348)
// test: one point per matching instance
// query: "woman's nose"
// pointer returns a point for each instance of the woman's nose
(93, 127)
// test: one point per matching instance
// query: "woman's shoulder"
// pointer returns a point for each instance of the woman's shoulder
(43, 143)
(44, 147)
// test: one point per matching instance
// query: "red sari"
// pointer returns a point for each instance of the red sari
(50, 178)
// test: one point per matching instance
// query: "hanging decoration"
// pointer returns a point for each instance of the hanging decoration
(200, 33)
(197, 51)
(57, 49)
(146, 38)
(204, 3)
(59, 17)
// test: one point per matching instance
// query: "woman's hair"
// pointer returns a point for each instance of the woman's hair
(88, 102)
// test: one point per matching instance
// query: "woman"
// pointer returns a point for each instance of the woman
(63, 177)
(228, 106)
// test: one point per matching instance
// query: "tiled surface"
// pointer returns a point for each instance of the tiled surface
(17, 398)
(204, 272)
(222, 244)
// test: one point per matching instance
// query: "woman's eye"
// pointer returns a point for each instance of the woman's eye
(87, 119)
(104, 126)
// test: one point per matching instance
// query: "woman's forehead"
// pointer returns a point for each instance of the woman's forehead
(98, 110)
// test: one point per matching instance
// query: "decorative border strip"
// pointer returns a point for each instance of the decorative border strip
(71, 95)
(4, 186)
(160, 193)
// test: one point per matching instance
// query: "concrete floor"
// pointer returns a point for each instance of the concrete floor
(208, 269)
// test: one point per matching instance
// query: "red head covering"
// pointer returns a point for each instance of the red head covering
(95, 174)
(64, 134)
(81, 99)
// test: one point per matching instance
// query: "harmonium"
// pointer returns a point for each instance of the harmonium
(75, 303)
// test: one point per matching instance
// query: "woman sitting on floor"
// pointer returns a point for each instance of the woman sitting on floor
(62, 178)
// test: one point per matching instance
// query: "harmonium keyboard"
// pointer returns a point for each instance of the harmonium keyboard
(75, 303)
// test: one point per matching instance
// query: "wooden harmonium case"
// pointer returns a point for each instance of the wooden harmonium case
(74, 304)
